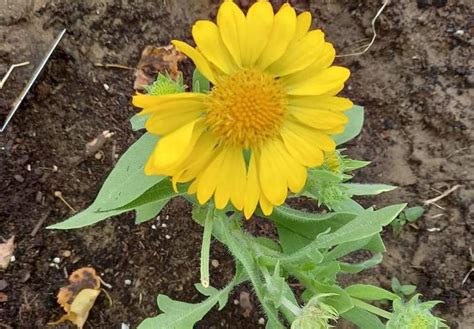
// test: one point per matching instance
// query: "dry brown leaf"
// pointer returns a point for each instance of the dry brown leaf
(3, 297)
(156, 60)
(6, 252)
(79, 296)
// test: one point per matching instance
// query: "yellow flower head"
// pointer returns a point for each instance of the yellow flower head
(268, 117)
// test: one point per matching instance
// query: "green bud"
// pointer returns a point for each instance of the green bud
(333, 162)
(316, 315)
(414, 315)
(164, 85)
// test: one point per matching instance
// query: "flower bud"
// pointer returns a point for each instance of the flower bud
(315, 315)
(164, 85)
(414, 315)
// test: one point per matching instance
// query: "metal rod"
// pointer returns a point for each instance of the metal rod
(32, 80)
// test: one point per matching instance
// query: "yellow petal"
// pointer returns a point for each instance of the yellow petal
(295, 173)
(265, 205)
(258, 26)
(231, 22)
(151, 103)
(324, 59)
(272, 174)
(335, 130)
(209, 42)
(208, 179)
(282, 33)
(304, 151)
(238, 177)
(324, 81)
(162, 123)
(230, 179)
(173, 148)
(319, 119)
(319, 138)
(300, 55)
(197, 160)
(252, 189)
(331, 103)
(303, 24)
(198, 59)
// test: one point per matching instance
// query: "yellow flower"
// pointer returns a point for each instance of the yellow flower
(268, 117)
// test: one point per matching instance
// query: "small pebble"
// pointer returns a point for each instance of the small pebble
(153, 227)
(39, 197)
(19, 178)
(167, 217)
(459, 33)
(215, 263)
(57, 260)
(128, 282)
(55, 168)
(236, 302)
(12, 258)
(67, 253)
(261, 321)
(106, 87)
(28, 167)
(98, 155)
(164, 225)
(167, 236)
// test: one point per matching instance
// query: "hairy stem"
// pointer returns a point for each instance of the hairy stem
(206, 246)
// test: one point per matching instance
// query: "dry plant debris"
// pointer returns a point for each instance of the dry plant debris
(156, 60)
(78, 298)
(6, 252)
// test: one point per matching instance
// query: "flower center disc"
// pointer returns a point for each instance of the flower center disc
(246, 108)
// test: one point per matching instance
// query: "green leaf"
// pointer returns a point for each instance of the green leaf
(149, 211)
(407, 289)
(180, 315)
(200, 83)
(284, 213)
(369, 292)
(161, 192)
(359, 267)
(138, 121)
(413, 213)
(340, 301)
(350, 165)
(367, 189)
(347, 206)
(125, 183)
(211, 291)
(353, 128)
(363, 319)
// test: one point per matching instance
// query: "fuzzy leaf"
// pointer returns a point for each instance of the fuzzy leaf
(413, 213)
(200, 83)
(356, 268)
(138, 122)
(363, 319)
(367, 189)
(149, 211)
(369, 292)
(353, 128)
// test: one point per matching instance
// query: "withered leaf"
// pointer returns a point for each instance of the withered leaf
(79, 296)
(156, 60)
(6, 252)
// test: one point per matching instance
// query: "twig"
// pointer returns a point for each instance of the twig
(443, 195)
(467, 276)
(367, 47)
(39, 224)
(10, 70)
(458, 151)
(114, 66)
(108, 285)
(59, 195)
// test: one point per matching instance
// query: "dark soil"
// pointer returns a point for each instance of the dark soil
(415, 82)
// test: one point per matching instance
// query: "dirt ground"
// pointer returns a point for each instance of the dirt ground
(415, 83)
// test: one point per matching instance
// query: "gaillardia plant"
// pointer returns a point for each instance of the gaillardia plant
(260, 125)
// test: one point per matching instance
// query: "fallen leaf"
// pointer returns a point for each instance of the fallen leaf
(156, 60)
(79, 296)
(3, 297)
(6, 252)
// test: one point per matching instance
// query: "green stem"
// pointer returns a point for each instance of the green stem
(235, 240)
(206, 246)
(371, 308)
(288, 304)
